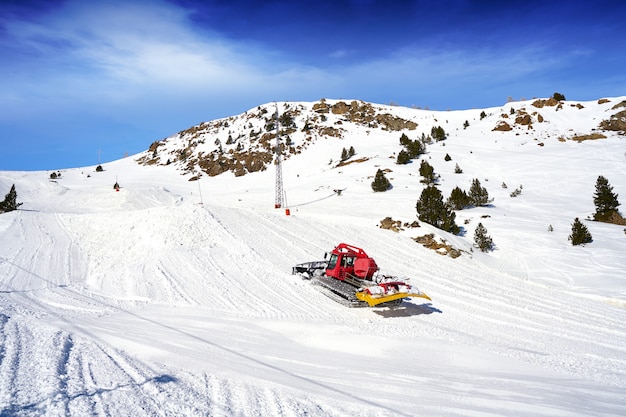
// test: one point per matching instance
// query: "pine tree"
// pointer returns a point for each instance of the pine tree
(286, 120)
(481, 239)
(380, 183)
(344, 154)
(10, 201)
(351, 152)
(431, 209)
(458, 199)
(478, 194)
(415, 148)
(428, 172)
(580, 234)
(403, 158)
(604, 199)
(438, 133)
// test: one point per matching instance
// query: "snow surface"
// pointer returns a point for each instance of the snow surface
(144, 302)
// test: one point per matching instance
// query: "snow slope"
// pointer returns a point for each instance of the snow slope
(144, 302)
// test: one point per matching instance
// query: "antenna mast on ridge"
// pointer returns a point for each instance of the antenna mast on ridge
(279, 167)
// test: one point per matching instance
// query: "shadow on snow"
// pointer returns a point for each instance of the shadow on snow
(407, 310)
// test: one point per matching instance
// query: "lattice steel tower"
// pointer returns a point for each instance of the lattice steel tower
(279, 166)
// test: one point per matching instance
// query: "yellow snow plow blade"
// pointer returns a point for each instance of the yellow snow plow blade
(378, 299)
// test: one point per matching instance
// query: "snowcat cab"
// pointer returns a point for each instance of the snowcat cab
(346, 260)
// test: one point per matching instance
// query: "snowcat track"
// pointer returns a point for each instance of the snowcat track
(339, 291)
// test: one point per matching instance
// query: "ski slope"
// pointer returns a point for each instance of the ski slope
(173, 297)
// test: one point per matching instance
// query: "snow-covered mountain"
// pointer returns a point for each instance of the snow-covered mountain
(175, 297)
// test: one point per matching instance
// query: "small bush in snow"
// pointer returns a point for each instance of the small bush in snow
(347, 153)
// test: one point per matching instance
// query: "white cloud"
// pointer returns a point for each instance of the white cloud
(128, 57)
(425, 66)
(340, 53)
(131, 46)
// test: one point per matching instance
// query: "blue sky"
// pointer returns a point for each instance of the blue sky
(83, 82)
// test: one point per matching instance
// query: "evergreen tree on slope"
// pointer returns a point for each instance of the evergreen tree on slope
(458, 199)
(478, 194)
(427, 171)
(380, 183)
(604, 199)
(580, 234)
(481, 239)
(10, 201)
(431, 209)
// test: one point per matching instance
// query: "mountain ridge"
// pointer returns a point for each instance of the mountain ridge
(245, 143)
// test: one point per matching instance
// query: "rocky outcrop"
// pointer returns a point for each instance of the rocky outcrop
(502, 126)
(396, 225)
(616, 122)
(442, 248)
(540, 103)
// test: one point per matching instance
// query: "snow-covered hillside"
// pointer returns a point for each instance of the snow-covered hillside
(145, 302)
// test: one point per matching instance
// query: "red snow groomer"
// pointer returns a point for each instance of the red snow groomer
(350, 276)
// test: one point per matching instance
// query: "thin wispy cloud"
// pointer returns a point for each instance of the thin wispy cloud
(130, 44)
(126, 53)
